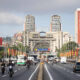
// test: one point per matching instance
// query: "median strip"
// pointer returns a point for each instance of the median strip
(40, 74)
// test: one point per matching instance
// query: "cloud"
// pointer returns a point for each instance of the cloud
(39, 6)
(10, 19)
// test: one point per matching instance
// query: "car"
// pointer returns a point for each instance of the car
(76, 67)
(57, 59)
(14, 60)
(63, 60)
(21, 60)
(35, 61)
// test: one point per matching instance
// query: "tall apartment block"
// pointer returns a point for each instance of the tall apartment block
(30, 23)
(55, 24)
(77, 26)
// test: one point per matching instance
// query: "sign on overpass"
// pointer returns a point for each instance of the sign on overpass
(42, 49)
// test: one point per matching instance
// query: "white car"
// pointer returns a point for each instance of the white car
(63, 60)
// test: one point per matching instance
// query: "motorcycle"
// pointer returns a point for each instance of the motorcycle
(28, 66)
(3, 69)
(11, 71)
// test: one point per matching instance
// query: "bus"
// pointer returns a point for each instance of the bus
(21, 60)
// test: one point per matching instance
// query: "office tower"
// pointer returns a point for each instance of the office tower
(30, 23)
(77, 26)
(55, 24)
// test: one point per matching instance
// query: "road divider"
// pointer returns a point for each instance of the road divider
(40, 73)
(4, 75)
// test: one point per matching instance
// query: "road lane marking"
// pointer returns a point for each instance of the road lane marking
(15, 71)
(48, 72)
(78, 75)
(70, 72)
(4, 75)
(30, 78)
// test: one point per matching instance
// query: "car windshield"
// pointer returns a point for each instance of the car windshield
(50, 56)
(77, 63)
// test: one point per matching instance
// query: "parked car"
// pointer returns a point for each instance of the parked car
(76, 67)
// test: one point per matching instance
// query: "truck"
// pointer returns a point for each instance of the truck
(63, 60)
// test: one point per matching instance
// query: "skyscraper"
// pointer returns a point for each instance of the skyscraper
(55, 24)
(77, 26)
(30, 23)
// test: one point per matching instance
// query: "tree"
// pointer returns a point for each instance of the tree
(27, 49)
(72, 45)
(1, 52)
(67, 47)
(22, 48)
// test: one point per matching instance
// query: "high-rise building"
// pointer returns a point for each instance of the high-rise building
(77, 26)
(55, 24)
(30, 23)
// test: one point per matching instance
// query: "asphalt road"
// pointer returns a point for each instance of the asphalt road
(60, 72)
(51, 72)
(20, 73)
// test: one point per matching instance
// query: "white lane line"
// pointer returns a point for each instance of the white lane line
(64, 69)
(33, 73)
(15, 71)
(78, 75)
(4, 75)
(48, 72)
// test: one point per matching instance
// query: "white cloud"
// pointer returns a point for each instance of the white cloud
(37, 6)
(9, 18)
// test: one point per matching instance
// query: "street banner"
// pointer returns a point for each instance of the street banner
(9, 51)
(77, 52)
(1, 41)
(12, 51)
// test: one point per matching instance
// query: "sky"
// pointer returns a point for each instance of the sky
(13, 12)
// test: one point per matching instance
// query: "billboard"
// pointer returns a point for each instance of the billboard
(0, 40)
(42, 49)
